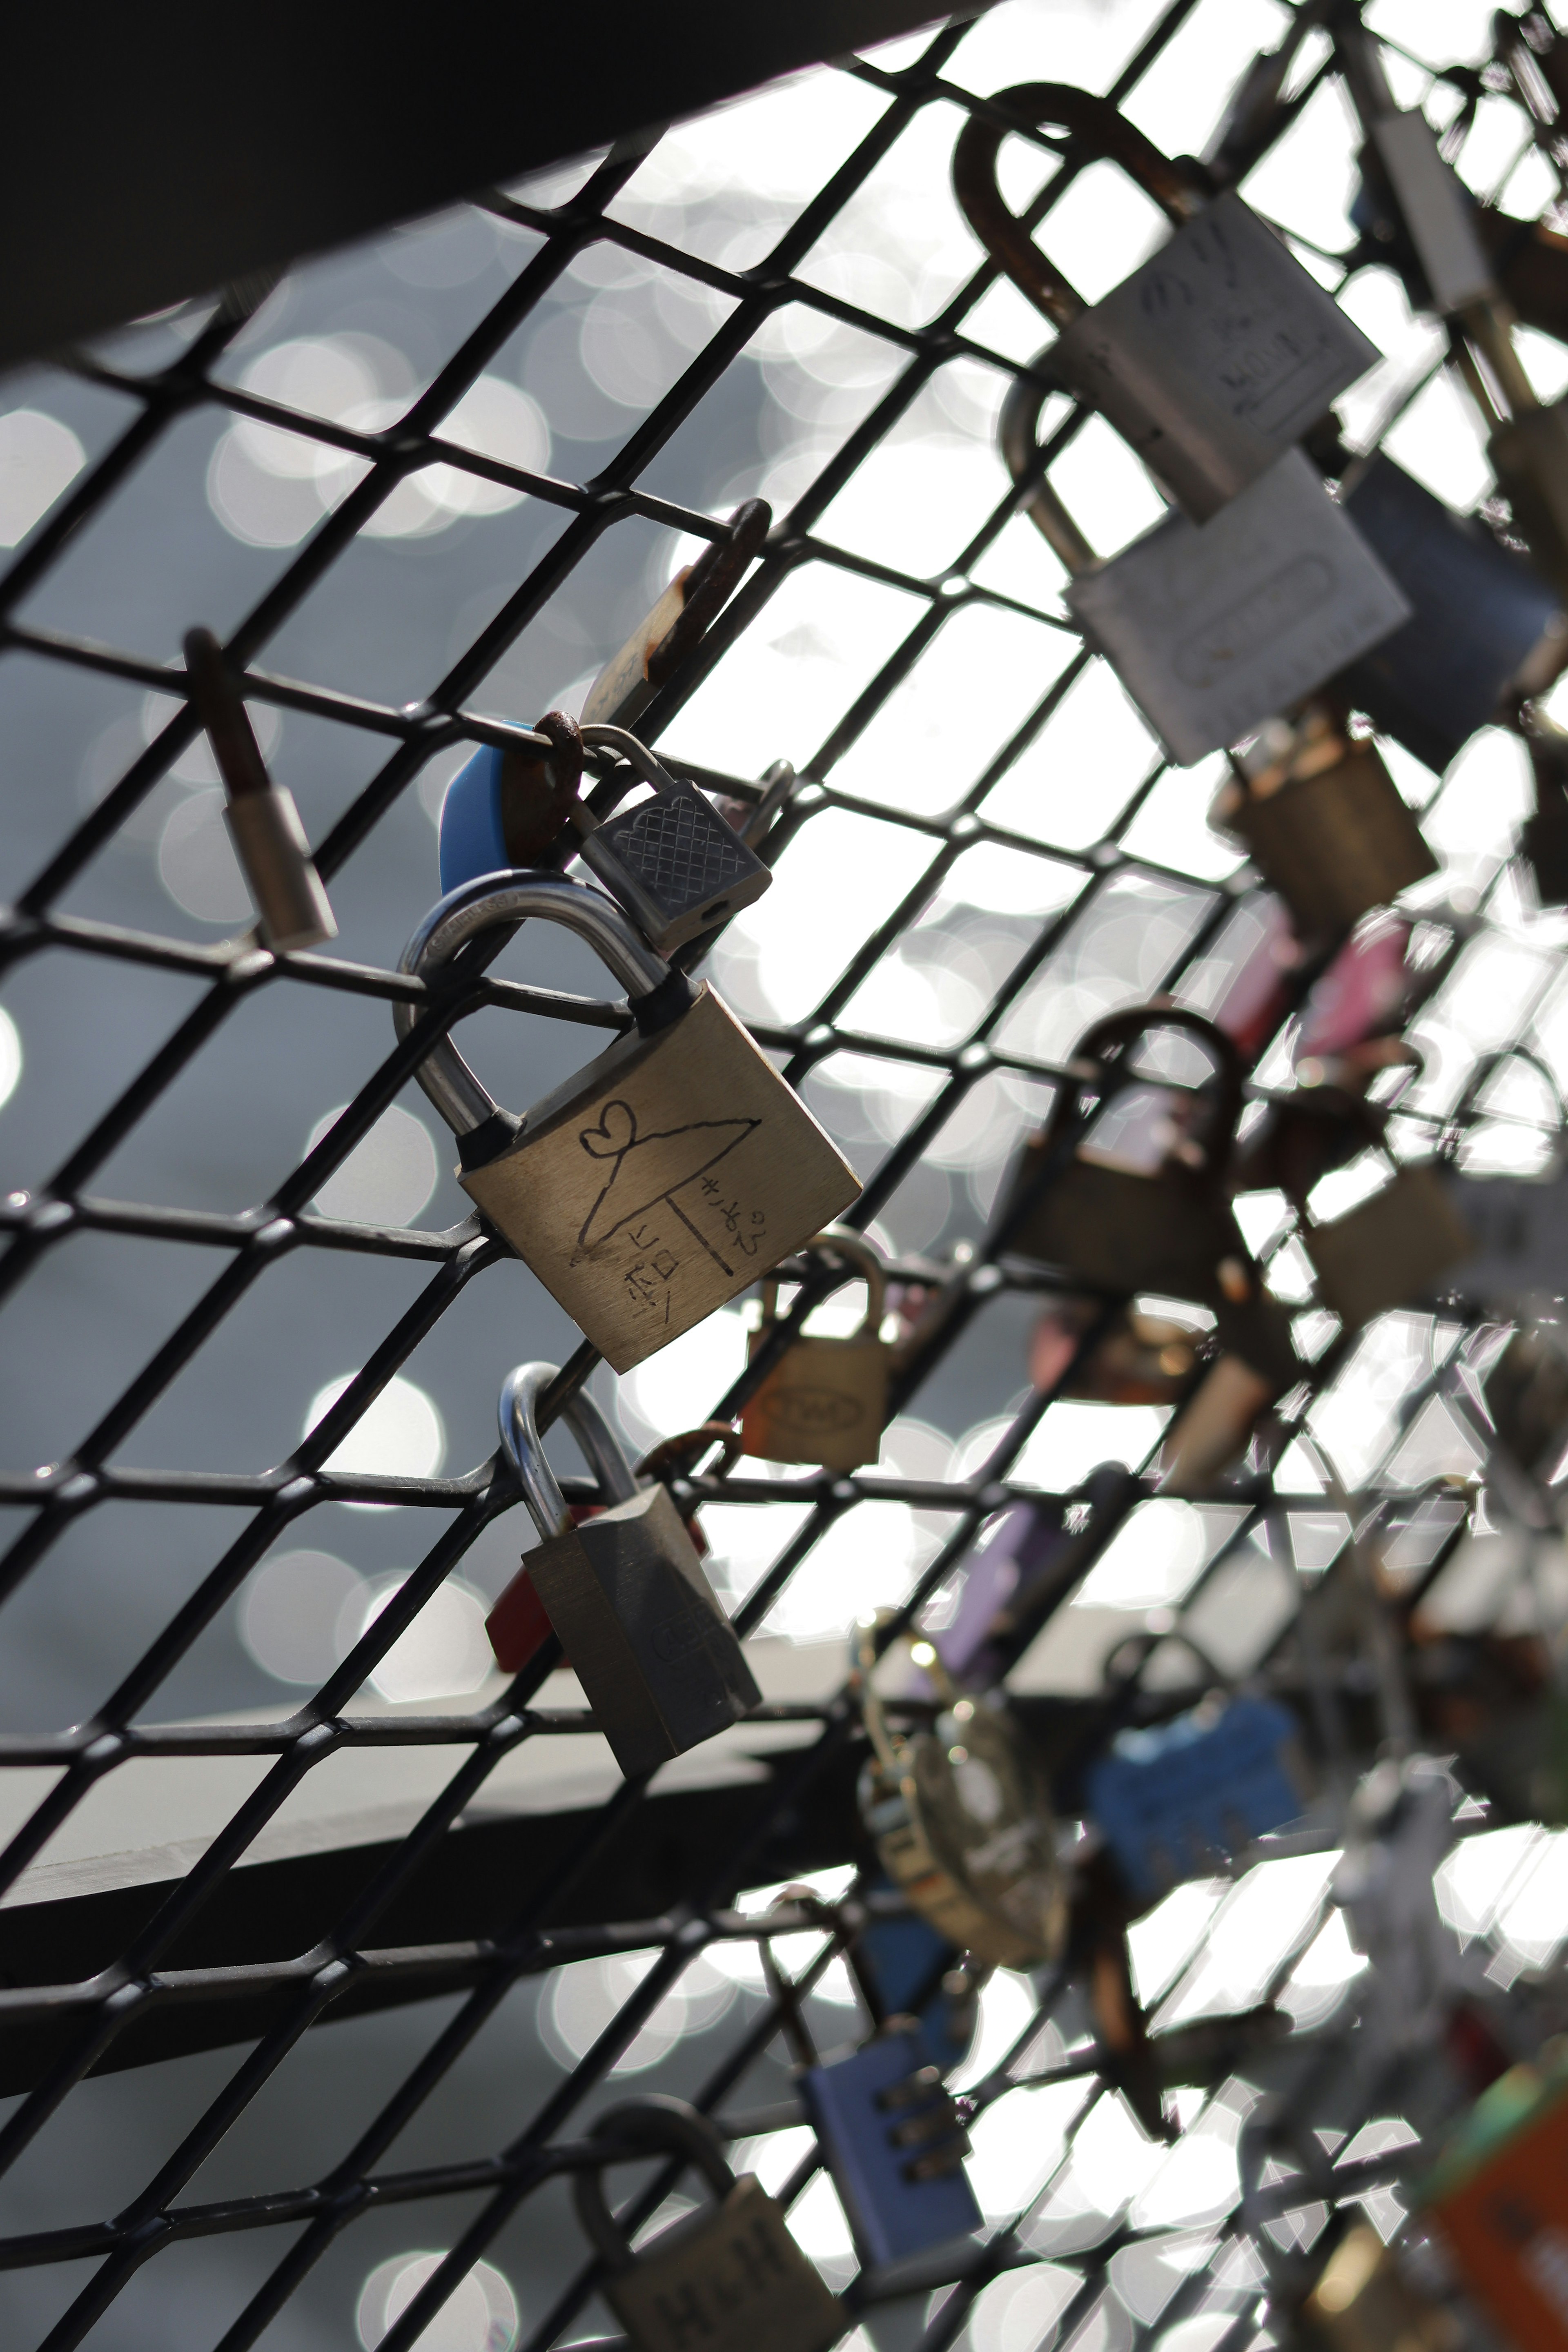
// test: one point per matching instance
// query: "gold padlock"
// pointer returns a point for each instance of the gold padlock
(827, 1401)
(657, 1182)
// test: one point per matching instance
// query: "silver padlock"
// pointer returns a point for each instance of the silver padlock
(263, 822)
(728, 2278)
(671, 862)
(1402, 153)
(1212, 629)
(1216, 354)
(657, 1659)
(662, 1180)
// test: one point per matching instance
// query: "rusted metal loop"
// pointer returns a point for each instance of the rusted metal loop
(715, 573)
(670, 1457)
(1097, 127)
(1118, 1030)
(657, 2125)
(1017, 431)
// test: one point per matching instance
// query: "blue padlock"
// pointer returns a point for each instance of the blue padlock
(905, 1968)
(1485, 626)
(1170, 1802)
(895, 2146)
(505, 809)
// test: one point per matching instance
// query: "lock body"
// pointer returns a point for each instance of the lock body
(1212, 629)
(1124, 1233)
(271, 846)
(675, 866)
(1333, 845)
(1388, 1250)
(657, 1659)
(1530, 458)
(895, 2146)
(1527, 1396)
(731, 2280)
(1215, 356)
(1169, 1803)
(1484, 624)
(505, 809)
(661, 1181)
(1434, 208)
(826, 1402)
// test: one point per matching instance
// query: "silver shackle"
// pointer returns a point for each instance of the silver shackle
(485, 904)
(518, 1414)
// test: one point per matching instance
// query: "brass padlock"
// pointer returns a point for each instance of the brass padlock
(657, 1659)
(727, 2279)
(675, 627)
(1390, 1249)
(673, 862)
(1322, 821)
(1213, 628)
(1216, 354)
(263, 822)
(826, 1400)
(962, 1821)
(657, 1182)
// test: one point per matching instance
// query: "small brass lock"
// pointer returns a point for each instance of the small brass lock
(962, 1821)
(827, 1401)
(657, 1659)
(263, 822)
(663, 1178)
(727, 2279)
(1390, 1249)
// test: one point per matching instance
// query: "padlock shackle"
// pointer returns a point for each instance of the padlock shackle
(865, 1264)
(655, 2125)
(488, 903)
(1094, 123)
(1119, 1029)
(646, 766)
(1017, 431)
(518, 1415)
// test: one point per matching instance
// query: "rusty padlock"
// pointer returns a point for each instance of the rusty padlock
(677, 623)
(826, 1400)
(728, 2278)
(1216, 354)
(263, 822)
(663, 1178)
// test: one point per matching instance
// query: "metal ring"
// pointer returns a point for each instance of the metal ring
(518, 1415)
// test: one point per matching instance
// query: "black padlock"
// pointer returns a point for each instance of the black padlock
(729, 2279)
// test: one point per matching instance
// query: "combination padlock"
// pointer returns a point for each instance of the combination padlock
(657, 1182)
(1392, 1247)
(263, 822)
(895, 2145)
(1321, 819)
(1215, 356)
(1172, 1801)
(507, 809)
(657, 1659)
(673, 630)
(826, 1400)
(673, 862)
(729, 2278)
(961, 1823)
(1213, 628)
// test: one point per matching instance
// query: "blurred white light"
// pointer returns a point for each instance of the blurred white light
(1152, 1559)
(444, 1653)
(10, 1056)
(1320, 1977)
(398, 1436)
(197, 863)
(678, 1388)
(479, 2316)
(291, 1611)
(581, 1999)
(387, 1179)
(1007, 2004)
(1270, 1909)
(39, 457)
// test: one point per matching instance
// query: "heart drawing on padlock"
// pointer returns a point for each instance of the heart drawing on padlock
(654, 1174)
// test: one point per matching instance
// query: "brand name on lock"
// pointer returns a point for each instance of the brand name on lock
(744, 2267)
(816, 1413)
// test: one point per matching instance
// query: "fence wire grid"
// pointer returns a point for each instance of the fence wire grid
(422, 490)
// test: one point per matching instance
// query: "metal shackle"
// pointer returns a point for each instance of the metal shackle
(489, 903)
(842, 1241)
(1122, 1028)
(646, 766)
(657, 2125)
(1017, 430)
(1105, 133)
(518, 1413)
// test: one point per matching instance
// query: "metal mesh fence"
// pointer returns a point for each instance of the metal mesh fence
(351, 477)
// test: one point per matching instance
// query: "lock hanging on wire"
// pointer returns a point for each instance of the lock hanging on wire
(507, 809)
(657, 1182)
(826, 1400)
(1216, 354)
(728, 2278)
(673, 862)
(1212, 629)
(895, 2144)
(1171, 1802)
(657, 1659)
(962, 1821)
(1391, 1248)
(263, 822)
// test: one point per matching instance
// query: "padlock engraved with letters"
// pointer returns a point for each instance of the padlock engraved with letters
(659, 1661)
(728, 2278)
(826, 1400)
(662, 1180)
(1218, 353)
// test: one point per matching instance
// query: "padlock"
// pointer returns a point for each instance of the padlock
(1216, 355)
(728, 2278)
(1526, 442)
(1499, 2196)
(1398, 1828)
(1362, 2300)
(657, 1659)
(1543, 836)
(1212, 629)
(657, 1182)
(1409, 181)
(961, 1823)
(895, 2146)
(826, 1401)
(671, 862)
(1170, 1802)
(1526, 1393)
(902, 1968)
(1391, 1248)
(1323, 823)
(263, 822)
(1138, 1358)
(675, 627)
(1530, 262)
(1486, 628)
(507, 808)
